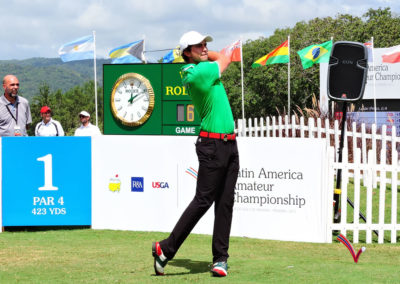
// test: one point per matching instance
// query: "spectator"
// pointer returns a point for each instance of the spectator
(48, 126)
(86, 128)
(15, 113)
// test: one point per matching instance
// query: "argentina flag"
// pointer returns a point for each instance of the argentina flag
(79, 49)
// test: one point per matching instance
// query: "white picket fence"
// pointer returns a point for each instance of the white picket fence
(373, 162)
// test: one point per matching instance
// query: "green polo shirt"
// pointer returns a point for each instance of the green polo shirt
(208, 94)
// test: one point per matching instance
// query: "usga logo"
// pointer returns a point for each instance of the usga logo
(137, 184)
(158, 184)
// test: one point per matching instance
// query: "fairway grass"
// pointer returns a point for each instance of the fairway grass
(105, 256)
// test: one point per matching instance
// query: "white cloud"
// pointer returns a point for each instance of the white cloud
(38, 27)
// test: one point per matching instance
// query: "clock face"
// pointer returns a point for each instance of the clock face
(132, 99)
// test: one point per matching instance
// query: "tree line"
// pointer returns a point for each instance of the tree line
(265, 88)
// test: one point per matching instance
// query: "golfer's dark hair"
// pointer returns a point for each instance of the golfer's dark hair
(189, 48)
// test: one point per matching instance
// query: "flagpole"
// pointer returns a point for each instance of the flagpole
(373, 68)
(289, 76)
(241, 70)
(95, 76)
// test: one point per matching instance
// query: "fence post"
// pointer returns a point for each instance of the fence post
(250, 127)
(273, 127)
(262, 127)
(302, 127)
(256, 127)
(382, 191)
(371, 170)
(268, 126)
(328, 132)
(364, 151)
(239, 127)
(244, 127)
(356, 215)
(344, 185)
(286, 126)
(319, 130)
(280, 126)
(310, 127)
(294, 125)
(395, 157)
(373, 137)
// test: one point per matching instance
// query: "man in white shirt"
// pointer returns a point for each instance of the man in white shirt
(48, 126)
(86, 128)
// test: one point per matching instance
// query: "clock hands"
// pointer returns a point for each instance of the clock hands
(132, 98)
(141, 95)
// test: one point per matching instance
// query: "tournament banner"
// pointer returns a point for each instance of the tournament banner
(144, 183)
(46, 181)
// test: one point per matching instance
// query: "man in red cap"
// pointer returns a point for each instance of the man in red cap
(48, 126)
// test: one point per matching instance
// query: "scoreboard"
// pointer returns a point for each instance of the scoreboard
(147, 99)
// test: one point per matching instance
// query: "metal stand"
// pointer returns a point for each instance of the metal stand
(338, 189)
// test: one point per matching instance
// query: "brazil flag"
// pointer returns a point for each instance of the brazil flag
(316, 53)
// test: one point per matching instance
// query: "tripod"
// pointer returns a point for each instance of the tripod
(338, 189)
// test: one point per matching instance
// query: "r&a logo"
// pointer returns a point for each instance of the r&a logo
(137, 184)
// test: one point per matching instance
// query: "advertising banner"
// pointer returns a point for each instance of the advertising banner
(46, 181)
(144, 183)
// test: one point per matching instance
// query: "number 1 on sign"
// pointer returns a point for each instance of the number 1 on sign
(48, 172)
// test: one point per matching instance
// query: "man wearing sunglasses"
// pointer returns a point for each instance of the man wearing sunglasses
(86, 128)
(48, 126)
(216, 150)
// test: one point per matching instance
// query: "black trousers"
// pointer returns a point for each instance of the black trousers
(216, 180)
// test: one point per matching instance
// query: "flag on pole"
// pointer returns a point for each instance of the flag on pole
(232, 51)
(392, 56)
(173, 56)
(128, 53)
(316, 53)
(137, 50)
(369, 47)
(79, 49)
(278, 55)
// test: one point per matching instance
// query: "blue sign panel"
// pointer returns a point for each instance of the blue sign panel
(46, 181)
(137, 184)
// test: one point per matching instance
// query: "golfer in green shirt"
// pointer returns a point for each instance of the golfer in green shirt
(216, 150)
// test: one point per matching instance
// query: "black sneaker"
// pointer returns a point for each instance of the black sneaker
(220, 269)
(160, 260)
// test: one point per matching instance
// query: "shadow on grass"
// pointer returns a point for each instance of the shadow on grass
(192, 266)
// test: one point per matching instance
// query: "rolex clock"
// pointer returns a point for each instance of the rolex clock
(132, 99)
(147, 99)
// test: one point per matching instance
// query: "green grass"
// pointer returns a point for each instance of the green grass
(104, 256)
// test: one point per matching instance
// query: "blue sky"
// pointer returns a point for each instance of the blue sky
(37, 28)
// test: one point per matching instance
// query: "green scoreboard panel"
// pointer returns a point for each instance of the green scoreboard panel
(147, 99)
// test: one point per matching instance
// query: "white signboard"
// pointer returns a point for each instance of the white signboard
(144, 183)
